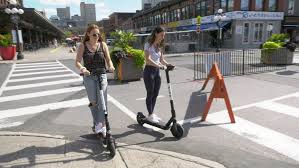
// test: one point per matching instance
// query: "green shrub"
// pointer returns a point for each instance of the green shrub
(5, 40)
(271, 45)
(279, 39)
(123, 43)
(138, 56)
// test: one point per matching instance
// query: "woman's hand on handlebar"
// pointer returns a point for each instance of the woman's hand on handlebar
(111, 69)
(162, 67)
(84, 71)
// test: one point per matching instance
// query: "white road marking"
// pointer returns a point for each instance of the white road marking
(37, 73)
(41, 77)
(160, 96)
(7, 78)
(40, 94)
(42, 108)
(274, 140)
(8, 125)
(42, 84)
(131, 114)
(35, 63)
(280, 108)
(37, 69)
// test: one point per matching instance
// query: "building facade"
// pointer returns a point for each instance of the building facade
(291, 20)
(64, 13)
(116, 20)
(36, 30)
(248, 23)
(146, 4)
(88, 12)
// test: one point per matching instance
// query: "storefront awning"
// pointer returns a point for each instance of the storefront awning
(213, 26)
(291, 26)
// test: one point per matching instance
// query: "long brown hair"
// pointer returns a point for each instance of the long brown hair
(89, 29)
(152, 37)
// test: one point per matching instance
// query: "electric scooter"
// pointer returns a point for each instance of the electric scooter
(108, 140)
(176, 129)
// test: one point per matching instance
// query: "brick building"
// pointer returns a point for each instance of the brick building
(248, 23)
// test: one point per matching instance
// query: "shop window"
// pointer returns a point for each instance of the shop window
(246, 33)
(272, 5)
(291, 7)
(258, 32)
(244, 5)
(269, 30)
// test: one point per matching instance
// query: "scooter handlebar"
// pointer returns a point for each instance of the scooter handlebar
(93, 73)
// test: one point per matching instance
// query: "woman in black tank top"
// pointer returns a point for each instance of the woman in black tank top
(95, 55)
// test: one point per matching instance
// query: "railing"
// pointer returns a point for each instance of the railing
(241, 62)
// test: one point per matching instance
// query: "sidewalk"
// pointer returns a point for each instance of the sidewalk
(40, 150)
(44, 54)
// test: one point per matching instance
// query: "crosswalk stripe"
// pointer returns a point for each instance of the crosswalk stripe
(36, 73)
(42, 108)
(274, 140)
(35, 63)
(264, 136)
(131, 114)
(8, 125)
(41, 77)
(37, 69)
(7, 78)
(42, 84)
(280, 108)
(40, 94)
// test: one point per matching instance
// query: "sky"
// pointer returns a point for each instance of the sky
(103, 7)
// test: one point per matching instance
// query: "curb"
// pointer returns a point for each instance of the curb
(7, 133)
(122, 147)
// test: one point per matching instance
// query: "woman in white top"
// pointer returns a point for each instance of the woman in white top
(151, 75)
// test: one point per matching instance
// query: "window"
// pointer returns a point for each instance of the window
(201, 8)
(223, 5)
(246, 33)
(270, 30)
(272, 5)
(230, 5)
(258, 5)
(258, 32)
(179, 14)
(244, 5)
(291, 7)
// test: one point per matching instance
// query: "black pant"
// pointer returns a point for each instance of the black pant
(152, 81)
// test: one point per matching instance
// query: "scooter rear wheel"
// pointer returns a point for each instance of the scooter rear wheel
(140, 117)
(177, 130)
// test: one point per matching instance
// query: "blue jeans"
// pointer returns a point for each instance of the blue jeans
(152, 81)
(93, 92)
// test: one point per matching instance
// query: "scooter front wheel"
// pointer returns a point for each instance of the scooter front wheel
(111, 147)
(140, 118)
(177, 130)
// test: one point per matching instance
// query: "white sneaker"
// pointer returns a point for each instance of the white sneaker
(153, 118)
(99, 128)
(156, 117)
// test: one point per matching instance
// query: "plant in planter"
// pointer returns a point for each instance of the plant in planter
(127, 60)
(273, 51)
(7, 50)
